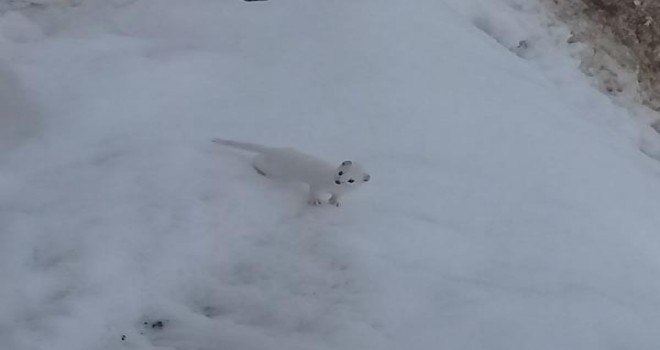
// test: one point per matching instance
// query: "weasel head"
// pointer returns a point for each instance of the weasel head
(349, 175)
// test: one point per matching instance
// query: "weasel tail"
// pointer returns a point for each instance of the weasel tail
(246, 146)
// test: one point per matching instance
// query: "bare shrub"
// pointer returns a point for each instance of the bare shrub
(626, 30)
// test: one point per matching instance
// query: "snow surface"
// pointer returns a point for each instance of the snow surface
(510, 206)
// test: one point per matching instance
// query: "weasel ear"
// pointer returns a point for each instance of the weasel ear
(348, 162)
(367, 177)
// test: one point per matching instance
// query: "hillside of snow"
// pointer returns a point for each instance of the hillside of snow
(509, 206)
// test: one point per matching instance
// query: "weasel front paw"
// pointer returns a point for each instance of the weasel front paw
(314, 201)
(334, 201)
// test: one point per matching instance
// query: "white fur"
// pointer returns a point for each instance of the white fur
(288, 164)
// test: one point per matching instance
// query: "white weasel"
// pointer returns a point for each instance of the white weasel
(288, 164)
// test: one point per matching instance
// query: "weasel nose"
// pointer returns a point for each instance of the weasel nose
(337, 182)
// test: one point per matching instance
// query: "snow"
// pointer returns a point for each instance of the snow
(510, 206)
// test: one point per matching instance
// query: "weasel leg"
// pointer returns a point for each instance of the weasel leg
(334, 200)
(314, 201)
(313, 198)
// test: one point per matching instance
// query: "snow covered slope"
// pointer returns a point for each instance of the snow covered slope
(509, 207)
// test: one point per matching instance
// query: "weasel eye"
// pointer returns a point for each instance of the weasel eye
(351, 181)
(341, 173)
